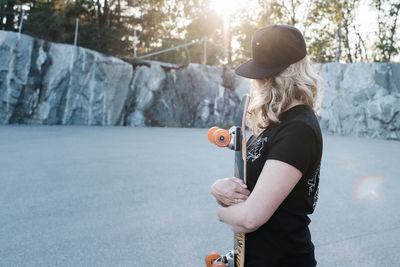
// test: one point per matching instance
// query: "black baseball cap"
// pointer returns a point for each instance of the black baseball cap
(273, 49)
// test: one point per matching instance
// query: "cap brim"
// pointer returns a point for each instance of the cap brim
(250, 70)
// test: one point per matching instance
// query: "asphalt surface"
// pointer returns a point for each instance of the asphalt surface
(115, 196)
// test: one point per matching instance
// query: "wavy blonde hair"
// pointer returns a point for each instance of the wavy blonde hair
(273, 95)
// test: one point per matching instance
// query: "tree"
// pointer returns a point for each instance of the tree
(330, 27)
(333, 27)
(386, 46)
(101, 26)
(283, 12)
(251, 20)
(7, 14)
(207, 24)
(44, 21)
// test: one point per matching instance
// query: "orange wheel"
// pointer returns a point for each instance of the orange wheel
(211, 257)
(221, 138)
(211, 132)
(218, 264)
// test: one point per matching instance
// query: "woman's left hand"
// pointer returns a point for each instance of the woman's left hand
(229, 191)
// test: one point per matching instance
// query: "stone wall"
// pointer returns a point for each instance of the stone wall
(194, 96)
(49, 83)
(361, 99)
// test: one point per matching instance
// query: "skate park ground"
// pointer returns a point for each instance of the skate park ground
(121, 196)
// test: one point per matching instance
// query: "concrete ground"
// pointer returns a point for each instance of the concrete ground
(114, 196)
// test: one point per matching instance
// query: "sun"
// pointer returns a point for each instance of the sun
(226, 7)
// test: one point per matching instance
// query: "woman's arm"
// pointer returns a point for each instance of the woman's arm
(276, 181)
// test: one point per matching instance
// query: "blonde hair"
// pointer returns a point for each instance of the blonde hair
(272, 95)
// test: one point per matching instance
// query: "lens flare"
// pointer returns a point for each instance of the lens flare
(226, 7)
(367, 187)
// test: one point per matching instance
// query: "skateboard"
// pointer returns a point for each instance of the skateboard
(235, 139)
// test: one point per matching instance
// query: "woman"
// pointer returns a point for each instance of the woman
(284, 154)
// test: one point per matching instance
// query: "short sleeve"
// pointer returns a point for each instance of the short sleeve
(294, 144)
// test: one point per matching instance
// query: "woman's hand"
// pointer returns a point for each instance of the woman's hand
(229, 191)
(276, 181)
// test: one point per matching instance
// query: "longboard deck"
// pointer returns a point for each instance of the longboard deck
(240, 172)
(236, 140)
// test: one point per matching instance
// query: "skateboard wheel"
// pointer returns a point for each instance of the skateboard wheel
(221, 138)
(218, 264)
(210, 133)
(211, 257)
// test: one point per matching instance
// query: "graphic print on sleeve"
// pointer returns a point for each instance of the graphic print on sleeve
(312, 183)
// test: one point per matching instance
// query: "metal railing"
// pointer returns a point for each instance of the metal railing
(204, 40)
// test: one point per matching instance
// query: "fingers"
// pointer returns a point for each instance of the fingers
(236, 185)
(240, 196)
(222, 203)
(229, 191)
(241, 188)
(238, 181)
(243, 191)
(233, 199)
(236, 201)
(226, 202)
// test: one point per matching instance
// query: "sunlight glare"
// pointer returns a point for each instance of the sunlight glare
(226, 7)
(368, 187)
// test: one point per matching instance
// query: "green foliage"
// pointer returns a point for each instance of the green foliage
(334, 33)
(8, 14)
(282, 12)
(330, 27)
(100, 28)
(386, 45)
(207, 24)
(321, 49)
(44, 22)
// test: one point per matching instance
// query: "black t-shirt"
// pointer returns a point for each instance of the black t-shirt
(285, 240)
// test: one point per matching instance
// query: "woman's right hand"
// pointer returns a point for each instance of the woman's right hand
(229, 191)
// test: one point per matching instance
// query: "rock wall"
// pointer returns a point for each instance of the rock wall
(194, 96)
(361, 99)
(49, 83)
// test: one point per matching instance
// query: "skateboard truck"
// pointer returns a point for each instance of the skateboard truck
(213, 259)
(226, 138)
